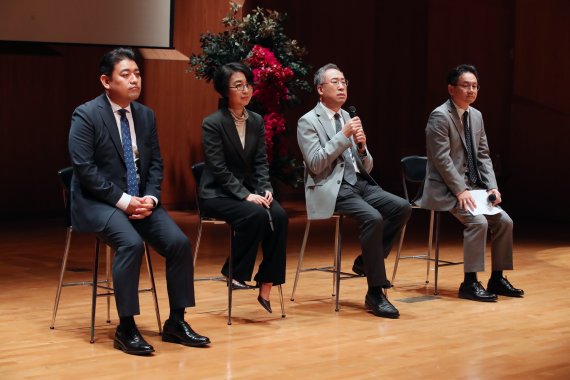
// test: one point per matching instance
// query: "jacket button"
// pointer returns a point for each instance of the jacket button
(342, 165)
(338, 182)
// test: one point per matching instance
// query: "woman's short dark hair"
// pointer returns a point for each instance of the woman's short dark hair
(223, 74)
(456, 72)
(111, 58)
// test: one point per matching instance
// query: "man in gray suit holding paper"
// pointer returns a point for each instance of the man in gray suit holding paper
(459, 161)
(337, 166)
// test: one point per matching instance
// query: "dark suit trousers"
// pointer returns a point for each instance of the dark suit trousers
(250, 223)
(126, 237)
(381, 216)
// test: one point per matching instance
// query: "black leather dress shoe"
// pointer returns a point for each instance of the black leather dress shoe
(504, 288)
(240, 285)
(266, 304)
(131, 342)
(358, 266)
(181, 332)
(476, 292)
(378, 304)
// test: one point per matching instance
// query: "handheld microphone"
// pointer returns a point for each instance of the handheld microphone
(352, 113)
(492, 198)
(268, 213)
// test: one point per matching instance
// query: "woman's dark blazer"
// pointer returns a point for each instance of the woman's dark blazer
(232, 170)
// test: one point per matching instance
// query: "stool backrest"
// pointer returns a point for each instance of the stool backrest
(197, 170)
(414, 169)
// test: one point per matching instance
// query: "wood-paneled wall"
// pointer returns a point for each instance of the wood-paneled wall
(395, 54)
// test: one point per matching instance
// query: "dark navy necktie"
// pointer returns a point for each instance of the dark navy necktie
(349, 172)
(471, 160)
(132, 181)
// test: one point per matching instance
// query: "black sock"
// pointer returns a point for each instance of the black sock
(177, 314)
(374, 289)
(470, 277)
(127, 323)
(496, 275)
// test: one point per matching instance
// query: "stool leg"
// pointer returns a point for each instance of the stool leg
(437, 221)
(152, 286)
(94, 295)
(230, 279)
(108, 280)
(430, 242)
(402, 234)
(336, 245)
(301, 254)
(61, 273)
(338, 261)
(198, 238)
(281, 300)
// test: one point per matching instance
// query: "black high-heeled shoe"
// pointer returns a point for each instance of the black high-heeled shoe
(265, 303)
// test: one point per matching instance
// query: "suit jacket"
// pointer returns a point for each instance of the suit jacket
(232, 170)
(447, 157)
(322, 150)
(99, 169)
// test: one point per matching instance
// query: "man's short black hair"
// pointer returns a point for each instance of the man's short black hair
(456, 72)
(110, 59)
(223, 74)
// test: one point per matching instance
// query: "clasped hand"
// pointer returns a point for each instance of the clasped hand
(264, 201)
(140, 208)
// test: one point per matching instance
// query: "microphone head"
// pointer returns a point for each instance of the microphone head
(352, 111)
(492, 198)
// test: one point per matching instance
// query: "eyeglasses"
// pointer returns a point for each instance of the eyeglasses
(467, 86)
(243, 86)
(336, 82)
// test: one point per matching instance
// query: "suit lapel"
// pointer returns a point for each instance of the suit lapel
(140, 130)
(111, 124)
(454, 116)
(230, 130)
(324, 121)
(250, 137)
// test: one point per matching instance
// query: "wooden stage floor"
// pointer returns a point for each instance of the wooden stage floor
(439, 337)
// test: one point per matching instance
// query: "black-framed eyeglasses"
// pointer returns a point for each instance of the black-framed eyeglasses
(243, 86)
(336, 82)
(467, 86)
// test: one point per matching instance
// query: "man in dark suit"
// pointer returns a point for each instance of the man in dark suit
(115, 193)
(459, 161)
(337, 178)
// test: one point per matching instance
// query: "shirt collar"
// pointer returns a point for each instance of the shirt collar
(459, 110)
(330, 113)
(116, 107)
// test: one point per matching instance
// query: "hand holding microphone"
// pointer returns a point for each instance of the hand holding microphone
(359, 136)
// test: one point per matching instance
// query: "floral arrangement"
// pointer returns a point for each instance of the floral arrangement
(258, 39)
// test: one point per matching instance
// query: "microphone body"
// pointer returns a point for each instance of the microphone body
(352, 113)
(492, 198)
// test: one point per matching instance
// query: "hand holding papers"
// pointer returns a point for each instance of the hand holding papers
(482, 203)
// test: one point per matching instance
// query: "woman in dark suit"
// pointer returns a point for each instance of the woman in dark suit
(235, 183)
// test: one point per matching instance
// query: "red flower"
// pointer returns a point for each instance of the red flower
(271, 90)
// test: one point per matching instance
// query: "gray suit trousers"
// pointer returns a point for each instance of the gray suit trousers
(475, 240)
(381, 216)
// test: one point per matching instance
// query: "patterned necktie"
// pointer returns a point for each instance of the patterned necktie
(471, 160)
(349, 172)
(132, 181)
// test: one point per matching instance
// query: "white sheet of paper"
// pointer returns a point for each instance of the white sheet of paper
(483, 205)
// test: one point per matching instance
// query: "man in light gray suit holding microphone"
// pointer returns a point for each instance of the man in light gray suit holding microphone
(337, 166)
(459, 161)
